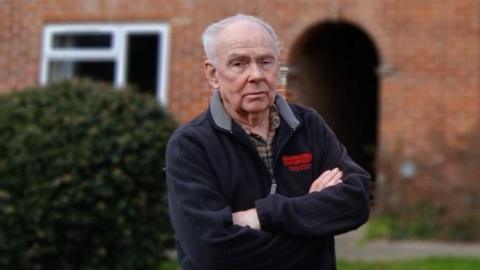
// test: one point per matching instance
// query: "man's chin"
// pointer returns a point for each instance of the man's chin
(256, 108)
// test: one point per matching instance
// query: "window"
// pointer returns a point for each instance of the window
(120, 54)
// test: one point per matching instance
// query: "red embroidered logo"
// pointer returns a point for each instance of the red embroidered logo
(300, 162)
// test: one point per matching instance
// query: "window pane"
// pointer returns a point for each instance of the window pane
(94, 70)
(82, 40)
(143, 62)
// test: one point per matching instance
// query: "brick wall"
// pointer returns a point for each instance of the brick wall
(429, 97)
(430, 104)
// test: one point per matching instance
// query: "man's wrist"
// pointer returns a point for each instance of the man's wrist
(255, 221)
(247, 218)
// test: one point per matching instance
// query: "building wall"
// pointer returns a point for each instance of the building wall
(430, 105)
(429, 98)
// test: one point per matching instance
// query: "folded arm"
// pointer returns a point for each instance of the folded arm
(334, 204)
(326, 179)
(202, 220)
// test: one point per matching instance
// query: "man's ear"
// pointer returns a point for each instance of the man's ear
(211, 74)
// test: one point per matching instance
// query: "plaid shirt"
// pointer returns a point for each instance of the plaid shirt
(265, 147)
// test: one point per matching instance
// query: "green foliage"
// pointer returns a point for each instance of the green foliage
(422, 221)
(81, 178)
(380, 227)
(392, 227)
(169, 265)
(465, 229)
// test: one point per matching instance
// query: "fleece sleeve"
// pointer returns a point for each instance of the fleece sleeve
(202, 220)
(334, 210)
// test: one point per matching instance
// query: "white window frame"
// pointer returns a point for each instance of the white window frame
(117, 52)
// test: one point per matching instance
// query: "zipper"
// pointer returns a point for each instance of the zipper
(248, 143)
(251, 147)
(273, 187)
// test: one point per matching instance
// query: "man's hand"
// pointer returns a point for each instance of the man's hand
(250, 218)
(327, 179)
(247, 218)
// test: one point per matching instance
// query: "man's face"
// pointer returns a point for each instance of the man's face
(245, 69)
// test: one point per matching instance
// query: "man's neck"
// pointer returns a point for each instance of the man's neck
(257, 122)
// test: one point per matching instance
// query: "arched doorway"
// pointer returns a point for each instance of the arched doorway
(332, 68)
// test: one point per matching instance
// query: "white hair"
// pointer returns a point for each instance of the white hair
(213, 29)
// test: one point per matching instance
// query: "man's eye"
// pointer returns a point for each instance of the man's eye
(267, 63)
(238, 65)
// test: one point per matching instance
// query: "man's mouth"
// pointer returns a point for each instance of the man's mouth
(256, 94)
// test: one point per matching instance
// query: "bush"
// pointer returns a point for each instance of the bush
(422, 221)
(81, 178)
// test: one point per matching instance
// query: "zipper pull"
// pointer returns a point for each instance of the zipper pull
(273, 187)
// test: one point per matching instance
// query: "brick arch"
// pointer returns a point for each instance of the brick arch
(333, 69)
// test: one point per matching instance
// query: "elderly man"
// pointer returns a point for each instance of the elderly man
(255, 182)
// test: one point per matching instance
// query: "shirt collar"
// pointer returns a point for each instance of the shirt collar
(273, 122)
(223, 120)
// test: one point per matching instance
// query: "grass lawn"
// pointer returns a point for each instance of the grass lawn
(434, 263)
(169, 265)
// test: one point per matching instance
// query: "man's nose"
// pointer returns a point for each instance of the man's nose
(256, 73)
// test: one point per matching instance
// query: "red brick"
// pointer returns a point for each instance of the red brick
(429, 104)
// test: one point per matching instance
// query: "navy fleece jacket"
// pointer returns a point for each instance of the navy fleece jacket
(214, 170)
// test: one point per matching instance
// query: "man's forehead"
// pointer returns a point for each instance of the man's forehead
(242, 52)
(239, 37)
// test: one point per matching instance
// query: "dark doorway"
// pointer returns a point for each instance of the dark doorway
(143, 62)
(332, 68)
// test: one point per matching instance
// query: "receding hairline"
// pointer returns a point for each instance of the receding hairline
(213, 30)
(245, 22)
(225, 31)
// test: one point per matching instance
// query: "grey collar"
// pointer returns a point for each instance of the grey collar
(223, 120)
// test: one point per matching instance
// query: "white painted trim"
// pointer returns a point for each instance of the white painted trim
(44, 59)
(117, 53)
(90, 54)
(162, 67)
(119, 44)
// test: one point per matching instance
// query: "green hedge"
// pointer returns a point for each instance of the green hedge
(423, 221)
(81, 178)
